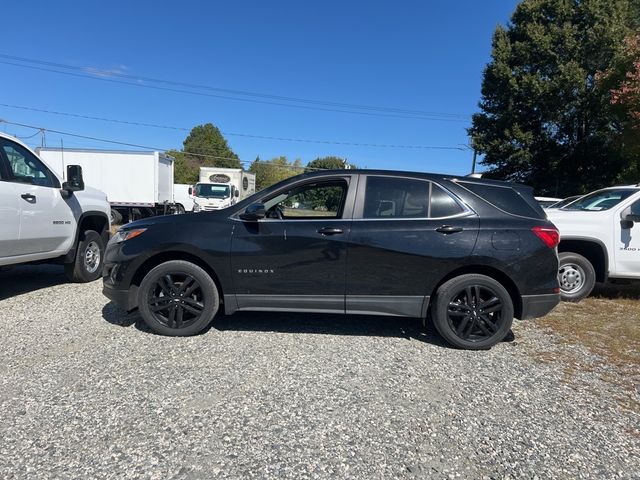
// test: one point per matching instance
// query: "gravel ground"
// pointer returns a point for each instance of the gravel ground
(88, 392)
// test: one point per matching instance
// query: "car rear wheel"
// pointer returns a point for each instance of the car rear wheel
(178, 298)
(472, 312)
(576, 276)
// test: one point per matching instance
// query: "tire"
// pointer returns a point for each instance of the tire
(182, 288)
(116, 217)
(576, 276)
(459, 319)
(179, 209)
(135, 214)
(87, 264)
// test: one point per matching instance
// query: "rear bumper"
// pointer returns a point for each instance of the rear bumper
(534, 306)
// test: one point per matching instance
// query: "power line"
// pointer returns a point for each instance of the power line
(235, 134)
(120, 74)
(146, 147)
(121, 78)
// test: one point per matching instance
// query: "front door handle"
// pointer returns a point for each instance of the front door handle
(28, 197)
(447, 229)
(330, 231)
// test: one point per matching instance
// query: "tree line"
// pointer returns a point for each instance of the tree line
(205, 146)
(560, 105)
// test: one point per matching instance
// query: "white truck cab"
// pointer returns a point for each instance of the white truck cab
(46, 219)
(214, 196)
(599, 239)
(219, 188)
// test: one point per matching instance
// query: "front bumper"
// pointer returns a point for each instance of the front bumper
(534, 306)
(123, 298)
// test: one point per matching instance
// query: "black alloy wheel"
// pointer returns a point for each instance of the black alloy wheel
(473, 311)
(178, 298)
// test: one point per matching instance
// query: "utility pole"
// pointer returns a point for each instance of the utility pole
(473, 165)
(43, 141)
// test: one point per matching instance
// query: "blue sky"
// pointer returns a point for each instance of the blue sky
(415, 55)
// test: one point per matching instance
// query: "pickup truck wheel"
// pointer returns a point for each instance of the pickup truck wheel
(472, 311)
(178, 298)
(87, 265)
(576, 276)
(116, 217)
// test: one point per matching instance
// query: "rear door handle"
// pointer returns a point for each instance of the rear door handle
(28, 197)
(330, 231)
(447, 229)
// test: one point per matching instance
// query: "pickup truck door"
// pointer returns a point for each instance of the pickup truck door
(9, 216)
(47, 222)
(626, 245)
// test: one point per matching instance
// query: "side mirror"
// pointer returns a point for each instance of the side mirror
(628, 217)
(237, 193)
(190, 190)
(75, 182)
(254, 212)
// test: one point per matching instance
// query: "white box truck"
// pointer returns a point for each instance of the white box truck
(222, 187)
(182, 198)
(137, 184)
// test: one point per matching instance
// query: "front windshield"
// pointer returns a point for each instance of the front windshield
(601, 200)
(210, 190)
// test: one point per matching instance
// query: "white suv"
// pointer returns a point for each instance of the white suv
(44, 219)
(599, 239)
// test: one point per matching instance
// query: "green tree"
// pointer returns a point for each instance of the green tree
(623, 81)
(273, 171)
(328, 163)
(206, 146)
(545, 120)
(185, 170)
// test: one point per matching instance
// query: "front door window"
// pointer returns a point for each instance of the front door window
(310, 201)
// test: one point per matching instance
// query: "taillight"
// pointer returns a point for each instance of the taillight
(550, 236)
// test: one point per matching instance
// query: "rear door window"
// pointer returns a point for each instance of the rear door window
(391, 197)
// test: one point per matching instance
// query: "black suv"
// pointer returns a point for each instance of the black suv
(472, 253)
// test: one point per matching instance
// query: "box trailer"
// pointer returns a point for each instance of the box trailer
(137, 184)
(222, 187)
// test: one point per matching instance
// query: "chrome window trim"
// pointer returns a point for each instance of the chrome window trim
(461, 214)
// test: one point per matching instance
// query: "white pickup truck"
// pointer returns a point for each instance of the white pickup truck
(44, 219)
(599, 240)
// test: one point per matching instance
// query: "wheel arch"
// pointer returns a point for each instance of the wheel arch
(166, 256)
(91, 220)
(593, 250)
(490, 272)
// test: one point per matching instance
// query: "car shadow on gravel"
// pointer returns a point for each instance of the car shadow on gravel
(29, 278)
(299, 323)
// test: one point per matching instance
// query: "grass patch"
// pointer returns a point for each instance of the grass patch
(608, 325)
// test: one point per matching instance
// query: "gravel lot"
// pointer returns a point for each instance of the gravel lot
(87, 392)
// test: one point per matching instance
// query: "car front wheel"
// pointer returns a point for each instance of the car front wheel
(178, 298)
(473, 312)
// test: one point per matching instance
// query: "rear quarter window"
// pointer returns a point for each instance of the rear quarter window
(506, 199)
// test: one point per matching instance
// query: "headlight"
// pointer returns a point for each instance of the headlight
(122, 235)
